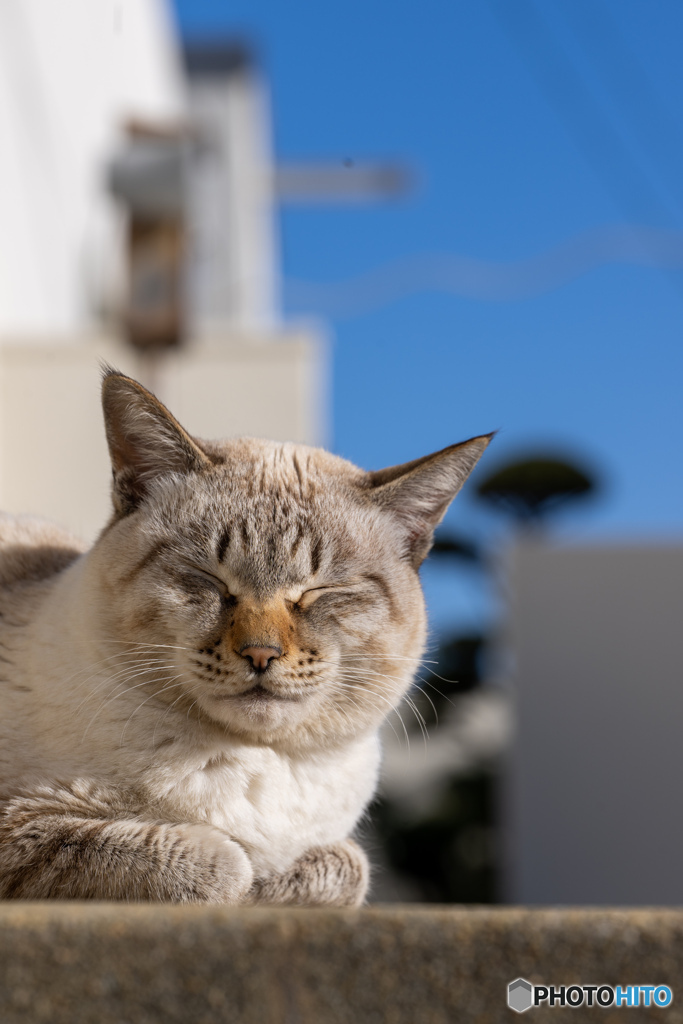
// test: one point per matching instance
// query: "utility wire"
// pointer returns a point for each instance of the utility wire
(592, 130)
(631, 90)
(593, 133)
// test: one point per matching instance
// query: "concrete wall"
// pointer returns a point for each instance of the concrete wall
(593, 798)
(53, 455)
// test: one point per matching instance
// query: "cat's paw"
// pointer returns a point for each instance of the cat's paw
(221, 871)
(49, 852)
(332, 876)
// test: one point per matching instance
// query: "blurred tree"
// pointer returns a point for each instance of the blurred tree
(447, 849)
(458, 669)
(451, 545)
(530, 489)
(449, 854)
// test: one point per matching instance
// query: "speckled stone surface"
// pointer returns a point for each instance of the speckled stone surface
(77, 963)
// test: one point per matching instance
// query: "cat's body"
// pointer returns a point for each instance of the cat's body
(66, 715)
(189, 710)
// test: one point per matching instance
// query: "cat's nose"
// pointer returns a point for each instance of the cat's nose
(261, 657)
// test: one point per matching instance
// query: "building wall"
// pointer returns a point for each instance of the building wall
(71, 74)
(592, 801)
(53, 455)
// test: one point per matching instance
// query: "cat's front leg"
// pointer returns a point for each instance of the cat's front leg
(86, 841)
(332, 876)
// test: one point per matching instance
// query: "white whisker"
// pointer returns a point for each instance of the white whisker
(170, 686)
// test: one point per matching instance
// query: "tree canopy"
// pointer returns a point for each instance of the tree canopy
(529, 489)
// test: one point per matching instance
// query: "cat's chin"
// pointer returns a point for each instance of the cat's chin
(258, 710)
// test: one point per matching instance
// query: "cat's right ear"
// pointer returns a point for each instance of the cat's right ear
(418, 493)
(145, 440)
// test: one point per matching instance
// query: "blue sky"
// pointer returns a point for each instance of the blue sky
(528, 124)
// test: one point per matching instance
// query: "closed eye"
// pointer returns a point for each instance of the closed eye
(218, 583)
(309, 597)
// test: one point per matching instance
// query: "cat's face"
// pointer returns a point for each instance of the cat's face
(274, 586)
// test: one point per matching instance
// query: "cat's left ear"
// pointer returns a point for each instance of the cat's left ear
(418, 493)
(145, 441)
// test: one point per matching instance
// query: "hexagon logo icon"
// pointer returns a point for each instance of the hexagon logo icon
(520, 995)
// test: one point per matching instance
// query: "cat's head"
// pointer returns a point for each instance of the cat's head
(269, 588)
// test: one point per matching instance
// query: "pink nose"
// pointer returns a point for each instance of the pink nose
(261, 657)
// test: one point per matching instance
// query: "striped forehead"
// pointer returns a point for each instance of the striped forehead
(266, 555)
(262, 468)
(276, 513)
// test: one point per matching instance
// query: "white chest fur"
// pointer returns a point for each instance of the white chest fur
(276, 806)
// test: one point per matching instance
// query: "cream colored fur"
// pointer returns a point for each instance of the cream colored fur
(142, 755)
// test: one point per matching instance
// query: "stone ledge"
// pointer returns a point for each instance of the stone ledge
(78, 963)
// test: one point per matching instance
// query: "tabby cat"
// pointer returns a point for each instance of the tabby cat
(189, 710)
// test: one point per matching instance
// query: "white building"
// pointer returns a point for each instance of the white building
(72, 75)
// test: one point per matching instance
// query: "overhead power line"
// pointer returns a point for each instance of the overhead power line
(589, 125)
(644, 111)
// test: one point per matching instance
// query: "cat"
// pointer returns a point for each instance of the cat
(189, 711)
